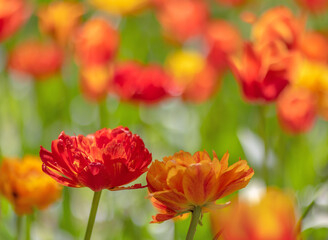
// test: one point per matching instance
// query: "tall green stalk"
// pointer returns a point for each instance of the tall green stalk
(92, 216)
(194, 222)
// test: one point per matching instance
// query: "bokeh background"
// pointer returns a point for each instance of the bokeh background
(33, 113)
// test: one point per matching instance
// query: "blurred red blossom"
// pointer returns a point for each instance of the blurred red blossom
(223, 39)
(296, 109)
(96, 42)
(135, 82)
(183, 19)
(35, 58)
(13, 14)
(232, 3)
(263, 72)
(274, 217)
(107, 159)
(316, 6)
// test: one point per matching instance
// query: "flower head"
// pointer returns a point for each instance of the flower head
(314, 46)
(173, 16)
(296, 109)
(25, 185)
(223, 40)
(278, 24)
(96, 42)
(232, 3)
(37, 59)
(121, 7)
(13, 14)
(183, 181)
(95, 81)
(316, 6)
(196, 80)
(273, 218)
(106, 159)
(263, 72)
(134, 82)
(59, 19)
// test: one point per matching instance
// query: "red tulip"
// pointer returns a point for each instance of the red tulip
(106, 159)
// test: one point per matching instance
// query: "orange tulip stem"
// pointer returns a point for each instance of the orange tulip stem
(194, 222)
(92, 216)
(28, 227)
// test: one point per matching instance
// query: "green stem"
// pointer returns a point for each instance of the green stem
(19, 223)
(92, 216)
(263, 130)
(194, 222)
(103, 114)
(28, 227)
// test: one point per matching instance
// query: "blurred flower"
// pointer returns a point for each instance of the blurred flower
(263, 72)
(96, 42)
(317, 6)
(273, 218)
(13, 14)
(148, 84)
(314, 77)
(232, 3)
(59, 19)
(278, 24)
(121, 7)
(223, 39)
(25, 185)
(314, 46)
(196, 80)
(37, 59)
(182, 182)
(183, 19)
(296, 109)
(95, 81)
(106, 159)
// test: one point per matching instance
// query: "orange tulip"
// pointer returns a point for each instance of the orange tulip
(95, 81)
(183, 19)
(317, 6)
(278, 24)
(273, 218)
(196, 80)
(13, 14)
(59, 19)
(263, 72)
(314, 47)
(183, 182)
(96, 42)
(37, 59)
(296, 109)
(223, 40)
(25, 185)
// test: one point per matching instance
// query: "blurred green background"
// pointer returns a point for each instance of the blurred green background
(33, 113)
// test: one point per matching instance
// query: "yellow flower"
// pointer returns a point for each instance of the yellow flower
(59, 19)
(25, 185)
(120, 7)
